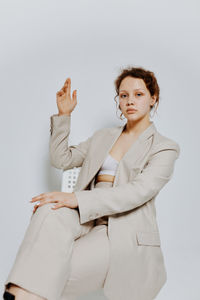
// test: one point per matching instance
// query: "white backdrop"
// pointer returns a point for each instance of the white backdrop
(43, 43)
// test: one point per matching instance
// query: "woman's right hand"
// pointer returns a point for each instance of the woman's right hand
(65, 103)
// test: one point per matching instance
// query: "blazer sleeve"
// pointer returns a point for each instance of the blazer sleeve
(63, 156)
(157, 172)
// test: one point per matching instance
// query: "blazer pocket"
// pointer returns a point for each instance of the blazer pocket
(148, 238)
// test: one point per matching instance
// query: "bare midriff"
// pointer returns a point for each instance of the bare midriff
(105, 177)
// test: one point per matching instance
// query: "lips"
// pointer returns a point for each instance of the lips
(131, 110)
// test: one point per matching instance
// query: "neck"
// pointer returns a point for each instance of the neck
(136, 127)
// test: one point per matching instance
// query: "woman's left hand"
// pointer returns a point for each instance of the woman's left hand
(61, 198)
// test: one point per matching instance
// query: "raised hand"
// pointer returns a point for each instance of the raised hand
(65, 103)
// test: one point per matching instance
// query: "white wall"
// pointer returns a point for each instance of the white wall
(43, 43)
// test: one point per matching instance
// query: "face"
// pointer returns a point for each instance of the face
(133, 94)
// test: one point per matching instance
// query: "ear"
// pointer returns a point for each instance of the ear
(153, 101)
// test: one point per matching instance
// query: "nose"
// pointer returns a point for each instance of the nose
(131, 100)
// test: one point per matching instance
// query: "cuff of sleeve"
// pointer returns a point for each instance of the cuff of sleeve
(57, 121)
(87, 211)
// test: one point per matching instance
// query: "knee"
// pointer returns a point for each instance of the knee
(66, 215)
(43, 209)
(41, 213)
(46, 209)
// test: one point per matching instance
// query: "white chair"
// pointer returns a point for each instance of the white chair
(69, 178)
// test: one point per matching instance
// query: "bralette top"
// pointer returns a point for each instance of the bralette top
(109, 166)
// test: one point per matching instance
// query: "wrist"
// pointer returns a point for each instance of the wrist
(62, 114)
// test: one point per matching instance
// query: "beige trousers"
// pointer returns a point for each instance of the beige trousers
(59, 258)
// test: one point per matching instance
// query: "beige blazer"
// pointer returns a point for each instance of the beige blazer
(137, 268)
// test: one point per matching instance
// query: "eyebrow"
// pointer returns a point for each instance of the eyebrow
(135, 90)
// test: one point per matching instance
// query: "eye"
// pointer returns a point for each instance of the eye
(139, 94)
(122, 95)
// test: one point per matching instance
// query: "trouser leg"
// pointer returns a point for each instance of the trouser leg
(42, 263)
(90, 258)
(89, 263)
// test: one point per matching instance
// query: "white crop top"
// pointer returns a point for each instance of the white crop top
(109, 166)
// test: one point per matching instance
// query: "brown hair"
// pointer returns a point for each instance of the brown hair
(148, 77)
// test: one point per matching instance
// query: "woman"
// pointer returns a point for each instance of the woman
(105, 233)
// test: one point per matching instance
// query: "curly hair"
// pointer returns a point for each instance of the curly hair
(149, 80)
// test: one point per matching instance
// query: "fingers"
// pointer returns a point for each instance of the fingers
(42, 197)
(60, 93)
(35, 208)
(55, 206)
(74, 95)
(58, 205)
(64, 88)
(42, 203)
(68, 91)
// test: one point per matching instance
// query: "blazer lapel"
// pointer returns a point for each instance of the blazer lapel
(133, 158)
(137, 149)
(141, 145)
